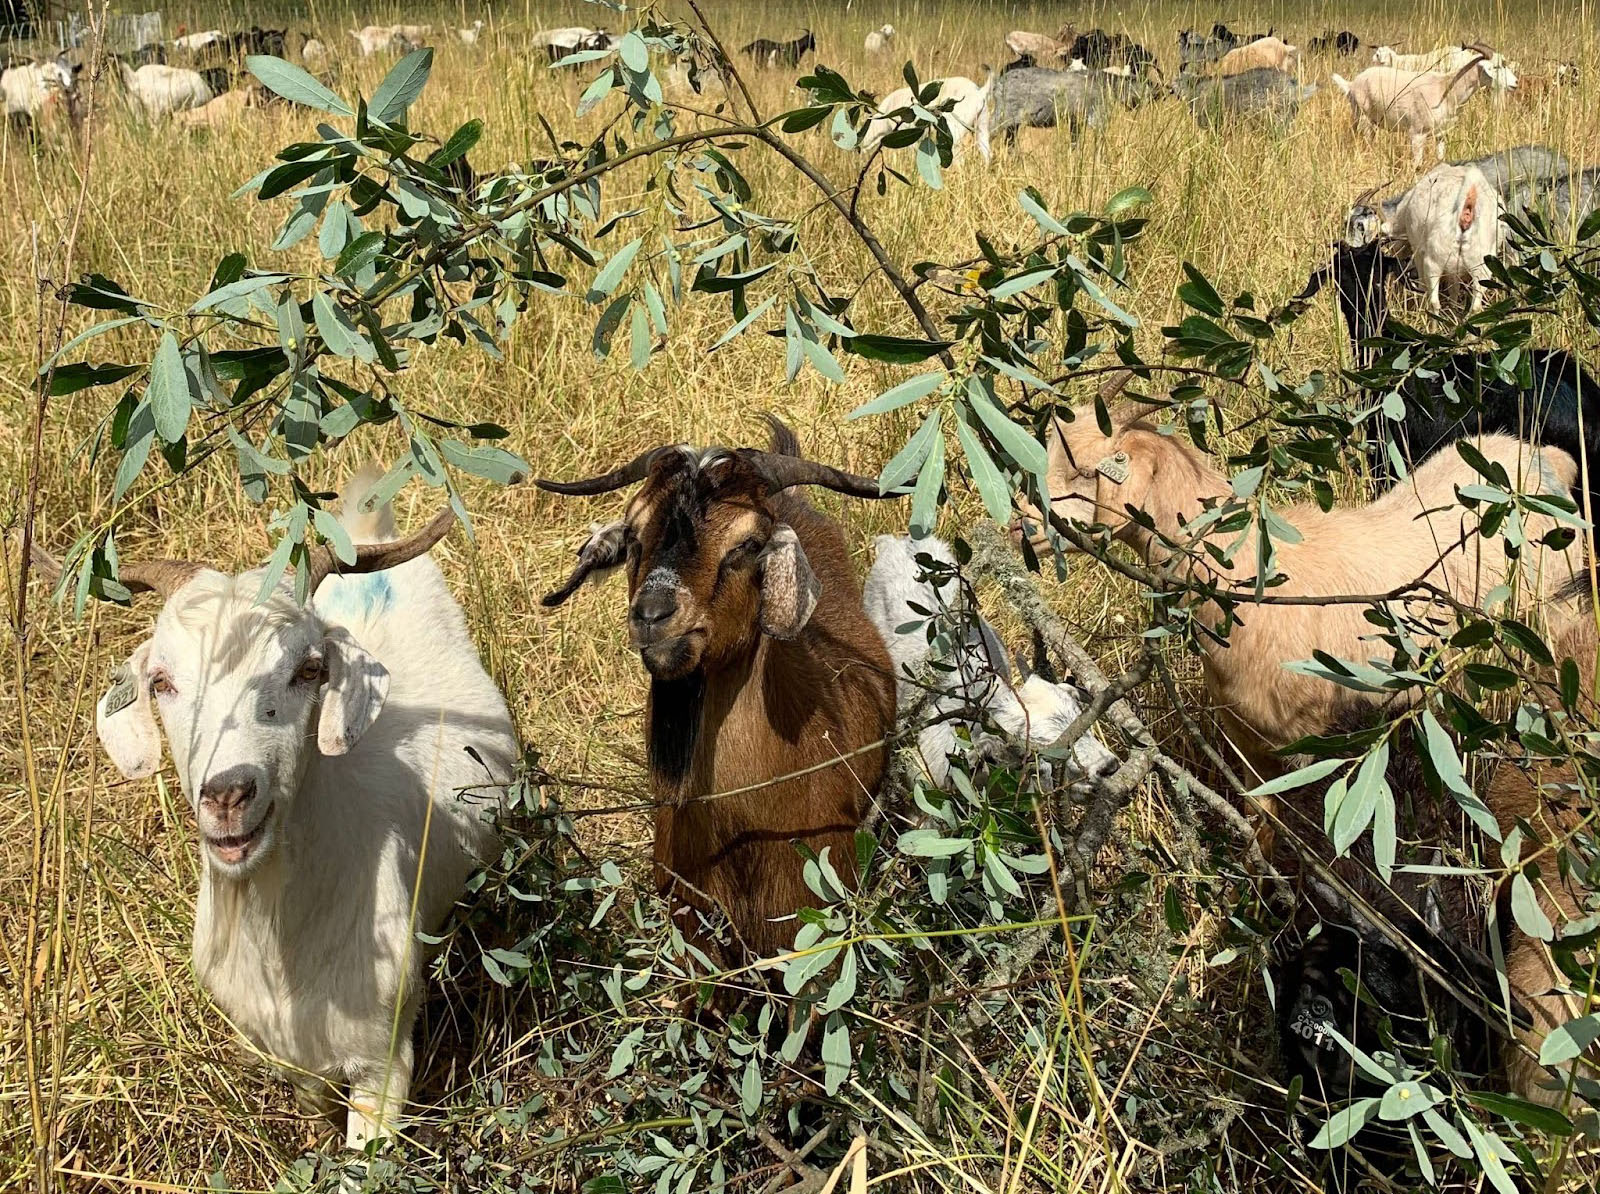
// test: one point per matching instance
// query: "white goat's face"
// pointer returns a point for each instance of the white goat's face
(241, 689)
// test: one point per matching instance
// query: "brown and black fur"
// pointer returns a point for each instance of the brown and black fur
(733, 707)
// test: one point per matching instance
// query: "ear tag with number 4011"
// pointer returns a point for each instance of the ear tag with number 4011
(123, 692)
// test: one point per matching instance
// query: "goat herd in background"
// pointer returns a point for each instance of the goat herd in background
(747, 615)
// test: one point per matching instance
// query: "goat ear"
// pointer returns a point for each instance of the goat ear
(353, 696)
(607, 548)
(125, 722)
(789, 589)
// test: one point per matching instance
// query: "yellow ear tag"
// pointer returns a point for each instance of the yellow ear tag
(1114, 468)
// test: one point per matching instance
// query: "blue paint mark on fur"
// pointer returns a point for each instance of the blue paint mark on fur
(354, 598)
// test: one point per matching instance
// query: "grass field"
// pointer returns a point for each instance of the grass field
(140, 1078)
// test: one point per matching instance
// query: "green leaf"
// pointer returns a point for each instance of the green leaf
(910, 457)
(1127, 199)
(141, 435)
(1406, 1099)
(1525, 909)
(401, 86)
(821, 359)
(1026, 451)
(744, 323)
(611, 273)
(1034, 206)
(338, 333)
(168, 394)
(925, 497)
(897, 350)
(991, 482)
(1017, 283)
(482, 460)
(1566, 1041)
(1446, 1135)
(843, 988)
(90, 333)
(802, 119)
(1345, 1123)
(331, 529)
(639, 337)
(1299, 778)
(240, 288)
(1543, 1119)
(1492, 1154)
(634, 53)
(1198, 293)
(836, 1057)
(928, 162)
(1357, 807)
(1447, 766)
(900, 395)
(69, 379)
(295, 84)
(359, 254)
(750, 1089)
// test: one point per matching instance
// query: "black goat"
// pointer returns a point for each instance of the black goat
(257, 40)
(1342, 42)
(781, 53)
(1098, 49)
(1562, 393)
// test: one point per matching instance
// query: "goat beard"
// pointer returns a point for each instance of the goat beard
(676, 710)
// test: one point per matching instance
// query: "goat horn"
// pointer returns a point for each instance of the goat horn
(629, 474)
(785, 472)
(376, 557)
(1114, 384)
(164, 577)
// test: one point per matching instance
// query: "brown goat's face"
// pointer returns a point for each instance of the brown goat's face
(709, 567)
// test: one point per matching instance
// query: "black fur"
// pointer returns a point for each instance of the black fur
(676, 710)
(1546, 413)
(781, 53)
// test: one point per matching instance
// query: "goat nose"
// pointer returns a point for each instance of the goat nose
(653, 607)
(224, 795)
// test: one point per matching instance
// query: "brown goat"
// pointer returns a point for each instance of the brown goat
(772, 696)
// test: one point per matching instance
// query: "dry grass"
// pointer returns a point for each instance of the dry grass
(141, 1077)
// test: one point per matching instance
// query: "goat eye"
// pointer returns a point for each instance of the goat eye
(310, 671)
(161, 684)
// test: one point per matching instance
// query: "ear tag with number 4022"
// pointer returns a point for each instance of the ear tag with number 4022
(123, 692)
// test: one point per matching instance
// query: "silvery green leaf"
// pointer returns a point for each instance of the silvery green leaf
(836, 1055)
(991, 482)
(1026, 451)
(168, 393)
(1566, 1041)
(909, 459)
(401, 86)
(900, 395)
(925, 497)
(1525, 909)
(295, 84)
(634, 53)
(1343, 1124)
(611, 273)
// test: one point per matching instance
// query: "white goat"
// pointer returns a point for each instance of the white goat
(880, 40)
(1421, 104)
(469, 36)
(224, 110)
(155, 91)
(558, 43)
(36, 89)
(313, 53)
(197, 41)
(1447, 60)
(378, 39)
(969, 113)
(1271, 52)
(1032, 717)
(1451, 220)
(328, 752)
(412, 37)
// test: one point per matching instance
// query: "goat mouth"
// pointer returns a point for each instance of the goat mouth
(672, 658)
(234, 849)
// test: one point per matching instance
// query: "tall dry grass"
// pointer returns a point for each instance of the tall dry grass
(137, 1079)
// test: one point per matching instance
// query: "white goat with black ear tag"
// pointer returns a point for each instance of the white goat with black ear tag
(789, 589)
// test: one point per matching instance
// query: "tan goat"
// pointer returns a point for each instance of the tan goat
(1271, 52)
(1420, 104)
(1424, 535)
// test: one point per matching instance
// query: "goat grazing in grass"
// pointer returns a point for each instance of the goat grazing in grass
(1419, 103)
(967, 671)
(1426, 535)
(155, 92)
(1033, 97)
(1266, 96)
(1270, 53)
(880, 40)
(968, 112)
(1502, 74)
(771, 697)
(781, 53)
(1451, 220)
(1560, 406)
(340, 759)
